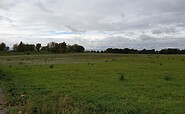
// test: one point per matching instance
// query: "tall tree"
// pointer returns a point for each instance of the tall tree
(29, 47)
(63, 47)
(15, 47)
(21, 47)
(76, 48)
(38, 46)
(2, 46)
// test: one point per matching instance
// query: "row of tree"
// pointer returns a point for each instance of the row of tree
(64, 48)
(144, 51)
(51, 47)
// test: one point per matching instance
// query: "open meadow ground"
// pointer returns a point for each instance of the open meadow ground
(93, 83)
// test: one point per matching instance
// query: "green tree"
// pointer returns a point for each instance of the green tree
(29, 47)
(80, 48)
(15, 47)
(2, 46)
(44, 48)
(63, 47)
(38, 46)
(76, 48)
(21, 47)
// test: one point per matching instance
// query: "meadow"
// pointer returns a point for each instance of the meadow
(93, 83)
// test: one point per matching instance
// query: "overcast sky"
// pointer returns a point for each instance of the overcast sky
(95, 24)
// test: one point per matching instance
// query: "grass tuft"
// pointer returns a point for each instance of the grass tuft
(168, 78)
(51, 66)
(122, 77)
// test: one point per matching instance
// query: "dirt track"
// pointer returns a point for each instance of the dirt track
(2, 102)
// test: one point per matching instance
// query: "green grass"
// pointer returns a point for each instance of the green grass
(90, 83)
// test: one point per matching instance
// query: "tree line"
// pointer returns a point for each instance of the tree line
(145, 51)
(64, 48)
(51, 47)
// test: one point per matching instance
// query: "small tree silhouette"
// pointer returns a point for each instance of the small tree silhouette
(38, 46)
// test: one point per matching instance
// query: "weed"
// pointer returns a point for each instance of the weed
(122, 77)
(8, 59)
(168, 77)
(90, 64)
(113, 59)
(51, 66)
(152, 62)
(21, 63)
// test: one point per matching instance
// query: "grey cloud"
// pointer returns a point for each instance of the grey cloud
(121, 42)
(181, 24)
(169, 30)
(41, 6)
(130, 33)
(158, 43)
(5, 5)
(157, 32)
(2, 18)
(145, 37)
(6, 20)
(109, 15)
(73, 29)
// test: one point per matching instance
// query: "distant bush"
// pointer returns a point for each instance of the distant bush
(8, 59)
(90, 64)
(122, 77)
(168, 77)
(152, 62)
(21, 63)
(51, 66)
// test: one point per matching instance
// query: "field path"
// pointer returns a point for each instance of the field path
(2, 102)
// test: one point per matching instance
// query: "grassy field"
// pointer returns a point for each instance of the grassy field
(94, 83)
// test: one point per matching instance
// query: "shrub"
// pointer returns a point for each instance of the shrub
(168, 77)
(8, 59)
(51, 66)
(21, 63)
(122, 77)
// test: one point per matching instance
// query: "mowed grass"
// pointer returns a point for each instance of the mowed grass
(90, 83)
